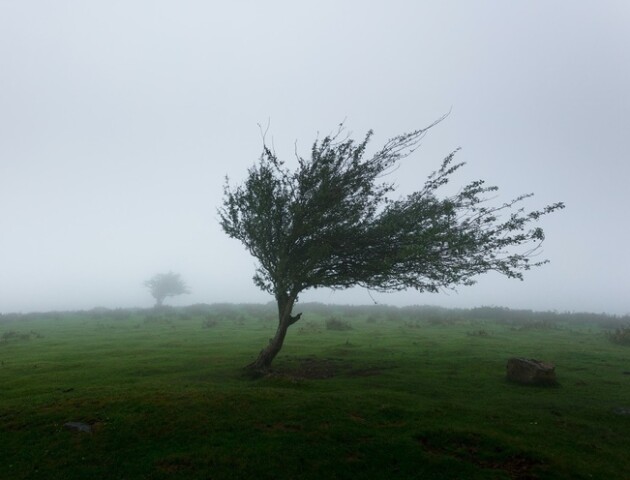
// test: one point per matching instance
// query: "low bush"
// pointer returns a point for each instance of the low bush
(478, 333)
(13, 335)
(209, 322)
(336, 324)
(620, 336)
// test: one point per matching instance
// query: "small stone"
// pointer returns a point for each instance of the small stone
(531, 372)
(78, 427)
(621, 411)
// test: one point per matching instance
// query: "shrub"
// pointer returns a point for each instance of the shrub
(13, 335)
(621, 335)
(413, 324)
(478, 333)
(336, 324)
(209, 322)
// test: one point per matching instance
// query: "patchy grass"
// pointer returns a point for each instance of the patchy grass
(396, 396)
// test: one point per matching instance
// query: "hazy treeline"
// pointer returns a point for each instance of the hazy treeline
(268, 312)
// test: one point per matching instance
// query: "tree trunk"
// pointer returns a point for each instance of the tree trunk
(262, 364)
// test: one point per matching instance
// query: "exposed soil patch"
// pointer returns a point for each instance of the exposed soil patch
(354, 457)
(365, 372)
(309, 368)
(316, 368)
(78, 427)
(175, 464)
(279, 427)
(84, 427)
(481, 451)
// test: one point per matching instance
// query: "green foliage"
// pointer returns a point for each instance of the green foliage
(165, 285)
(331, 223)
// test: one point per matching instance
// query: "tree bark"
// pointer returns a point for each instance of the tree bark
(262, 364)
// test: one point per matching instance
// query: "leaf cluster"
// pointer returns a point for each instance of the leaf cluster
(331, 223)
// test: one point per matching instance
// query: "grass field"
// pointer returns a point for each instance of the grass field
(402, 393)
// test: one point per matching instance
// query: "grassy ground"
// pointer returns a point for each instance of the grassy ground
(395, 396)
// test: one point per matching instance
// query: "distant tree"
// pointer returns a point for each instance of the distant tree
(165, 285)
(331, 223)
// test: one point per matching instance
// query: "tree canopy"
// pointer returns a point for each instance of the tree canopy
(165, 285)
(332, 222)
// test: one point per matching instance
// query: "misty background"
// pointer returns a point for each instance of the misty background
(119, 121)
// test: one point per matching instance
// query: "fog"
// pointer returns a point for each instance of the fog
(119, 121)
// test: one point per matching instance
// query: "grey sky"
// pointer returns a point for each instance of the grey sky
(119, 121)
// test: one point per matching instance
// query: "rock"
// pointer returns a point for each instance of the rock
(78, 427)
(528, 371)
(621, 411)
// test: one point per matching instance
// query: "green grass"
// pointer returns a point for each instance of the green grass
(397, 396)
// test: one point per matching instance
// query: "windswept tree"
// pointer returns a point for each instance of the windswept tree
(165, 285)
(332, 223)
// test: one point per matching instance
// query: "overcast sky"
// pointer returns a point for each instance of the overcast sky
(120, 119)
